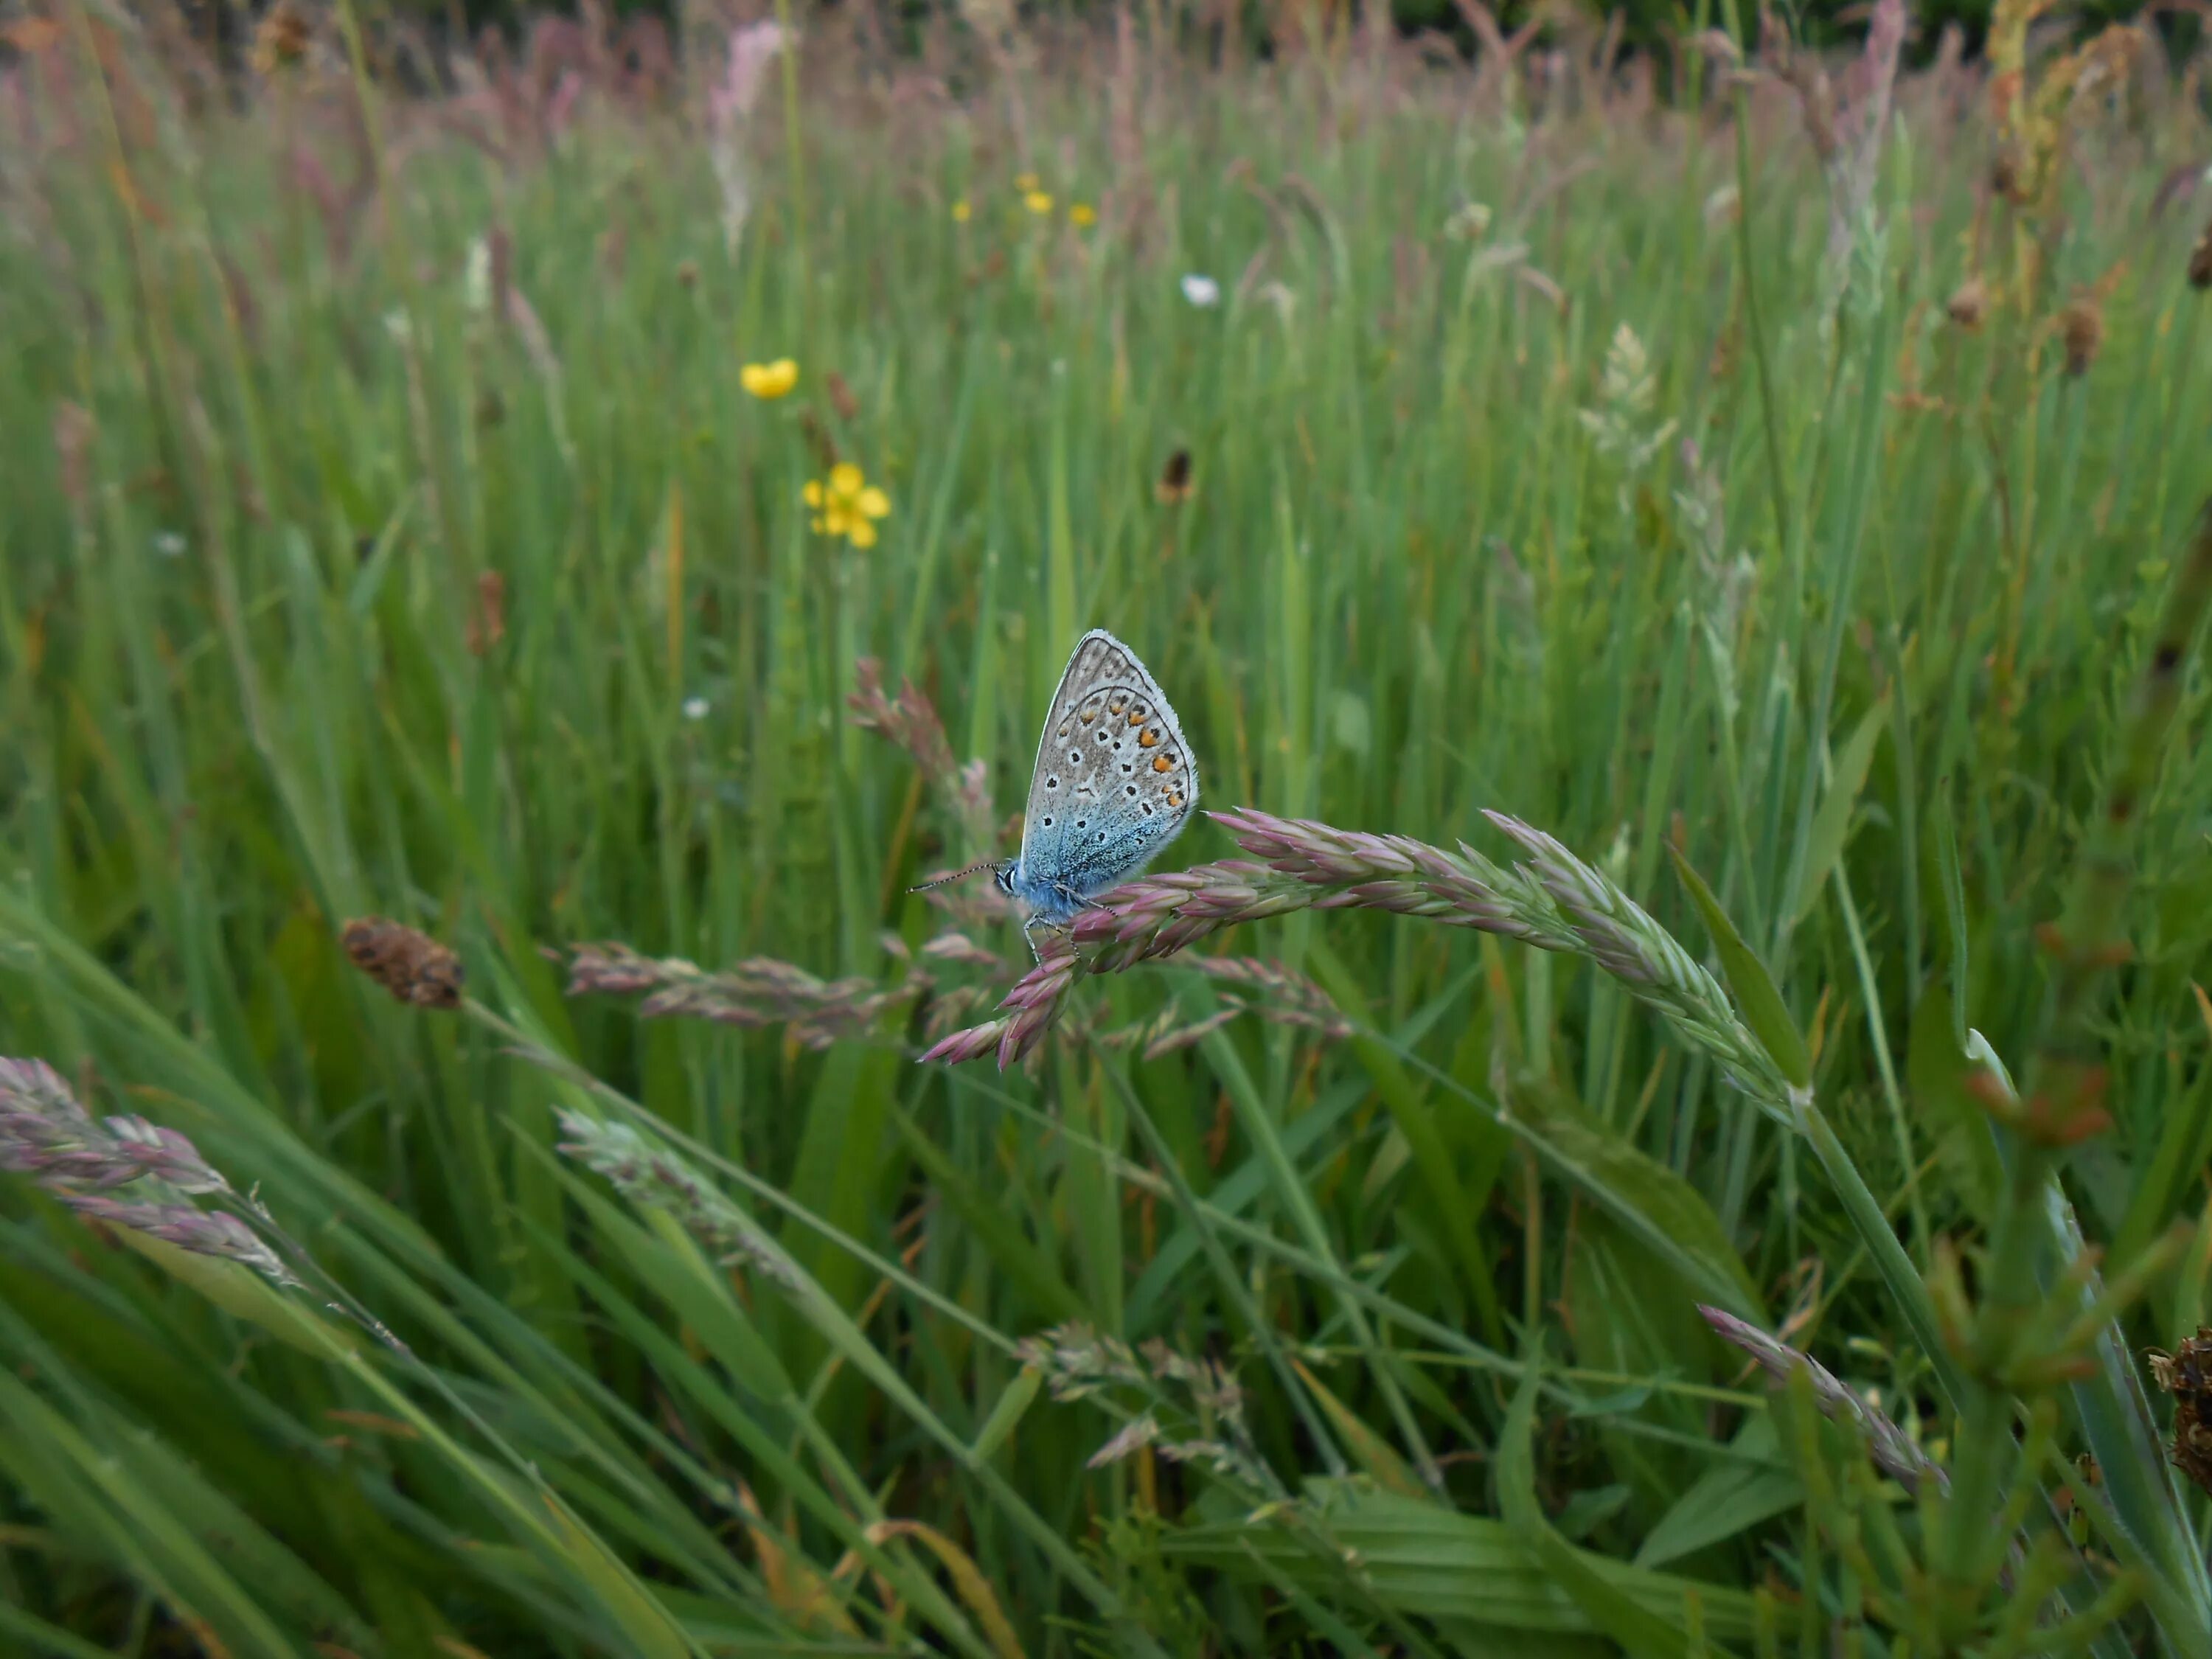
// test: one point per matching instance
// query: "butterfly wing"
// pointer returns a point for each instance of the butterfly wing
(1114, 780)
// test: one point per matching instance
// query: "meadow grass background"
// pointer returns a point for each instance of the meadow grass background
(347, 570)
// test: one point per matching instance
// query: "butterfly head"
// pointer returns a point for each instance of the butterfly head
(1004, 875)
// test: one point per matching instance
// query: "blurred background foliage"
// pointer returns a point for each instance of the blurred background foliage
(1261, 27)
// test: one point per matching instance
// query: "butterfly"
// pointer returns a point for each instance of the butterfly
(1114, 783)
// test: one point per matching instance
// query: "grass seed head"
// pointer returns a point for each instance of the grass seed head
(405, 961)
(2081, 327)
(2186, 1373)
(282, 38)
(1969, 304)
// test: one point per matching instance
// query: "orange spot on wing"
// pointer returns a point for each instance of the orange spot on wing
(1137, 719)
(1161, 763)
(1147, 740)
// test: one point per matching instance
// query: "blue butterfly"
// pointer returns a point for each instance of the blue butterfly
(1114, 782)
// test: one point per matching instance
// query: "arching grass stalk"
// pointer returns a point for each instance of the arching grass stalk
(1555, 902)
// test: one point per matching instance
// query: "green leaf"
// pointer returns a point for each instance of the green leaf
(1027, 1265)
(1013, 1404)
(1938, 1073)
(1832, 824)
(652, 1632)
(1373, 1452)
(1629, 1621)
(1955, 909)
(238, 1291)
(1591, 1507)
(1665, 1217)
(1756, 997)
(1446, 1202)
(1749, 1486)
(1421, 1559)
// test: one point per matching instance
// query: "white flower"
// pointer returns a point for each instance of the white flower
(168, 544)
(695, 708)
(1201, 291)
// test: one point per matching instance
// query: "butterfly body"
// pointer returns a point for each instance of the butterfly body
(1114, 782)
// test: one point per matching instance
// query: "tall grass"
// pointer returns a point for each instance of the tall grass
(388, 531)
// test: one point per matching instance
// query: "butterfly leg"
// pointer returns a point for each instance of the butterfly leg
(1030, 926)
(1033, 923)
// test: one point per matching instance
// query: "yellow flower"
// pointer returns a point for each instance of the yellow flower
(960, 211)
(1037, 202)
(767, 381)
(1082, 214)
(846, 504)
(1026, 183)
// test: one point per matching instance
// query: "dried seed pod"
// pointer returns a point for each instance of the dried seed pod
(280, 38)
(1967, 306)
(2186, 1373)
(1174, 479)
(2007, 175)
(408, 962)
(2081, 327)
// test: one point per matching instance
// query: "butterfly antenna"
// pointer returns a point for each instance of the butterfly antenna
(957, 875)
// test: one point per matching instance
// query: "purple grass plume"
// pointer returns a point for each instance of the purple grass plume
(1891, 1448)
(1554, 902)
(87, 1163)
(910, 720)
(757, 993)
(656, 1178)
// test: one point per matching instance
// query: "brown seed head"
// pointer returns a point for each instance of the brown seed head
(2200, 260)
(2008, 176)
(2082, 326)
(408, 962)
(1970, 304)
(2186, 1373)
(487, 623)
(841, 395)
(1174, 479)
(281, 38)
